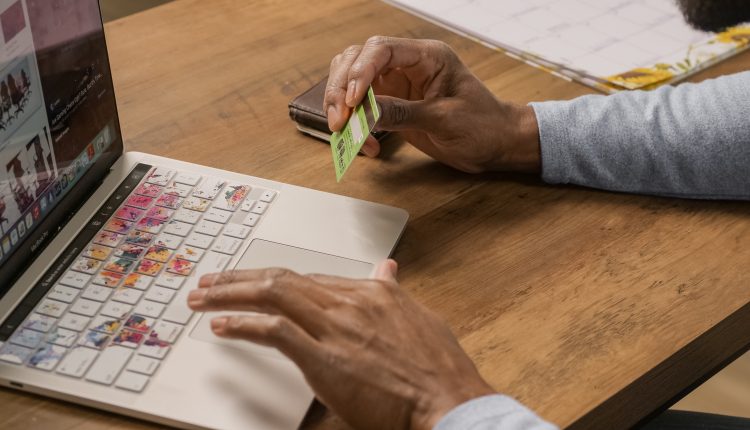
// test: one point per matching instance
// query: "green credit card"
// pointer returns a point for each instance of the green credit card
(345, 144)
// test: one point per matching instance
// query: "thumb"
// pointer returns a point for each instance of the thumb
(387, 271)
(399, 114)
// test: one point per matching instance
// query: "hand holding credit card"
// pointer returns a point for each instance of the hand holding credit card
(345, 144)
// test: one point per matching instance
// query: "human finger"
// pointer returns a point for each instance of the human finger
(380, 54)
(334, 100)
(270, 330)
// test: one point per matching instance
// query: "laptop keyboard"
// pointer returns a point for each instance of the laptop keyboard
(114, 314)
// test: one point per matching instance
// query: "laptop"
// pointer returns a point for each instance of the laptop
(99, 247)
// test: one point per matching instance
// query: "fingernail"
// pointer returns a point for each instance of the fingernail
(351, 92)
(217, 324)
(196, 297)
(331, 111)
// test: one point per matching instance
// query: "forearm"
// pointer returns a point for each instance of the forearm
(688, 141)
(496, 412)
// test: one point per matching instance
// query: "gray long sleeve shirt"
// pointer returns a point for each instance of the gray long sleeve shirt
(689, 141)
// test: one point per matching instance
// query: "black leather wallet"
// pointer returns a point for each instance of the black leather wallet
(307, 111)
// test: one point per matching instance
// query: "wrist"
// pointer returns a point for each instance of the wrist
(519, 148)
(438, 405)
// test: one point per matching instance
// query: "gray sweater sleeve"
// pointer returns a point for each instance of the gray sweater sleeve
(495, 412)
(690, 141)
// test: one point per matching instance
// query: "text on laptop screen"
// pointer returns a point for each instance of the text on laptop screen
(57, 110)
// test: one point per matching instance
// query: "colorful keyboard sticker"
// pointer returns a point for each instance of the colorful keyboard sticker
(180, 267)
(27, 338)
(129, 213)
(139, 238)
(47, 357)
(148, 190)
(14, 353)
(128, 338)
(180, 190)
(86, 265)
(139, 323)
(107, 238)
(232, 196)
(137, 281)
(170, 201)
(61, 336)
(118, 226)
(189, 253)
(97, 252)
(345, 144)
(119, 265)
(108, 279)
(39, 322)
(209, 188)
(158, 253)
(130, 250)
(140, 202)
(159, 213)
(149, 267)
(160, 176)
(106, 325)
(150, 225)
(94, 339)
(196, 204)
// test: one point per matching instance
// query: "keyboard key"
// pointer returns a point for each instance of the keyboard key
(259, 208)
(143, 364)
(14, 353)
(169, 201)
(140, 238)
(74, 322)
(109, 365)
(232, 196)
(150, 225)
(209, 188)
(160, 176)
(237, 230)
(119, 265)
(63, 337)
(170, 281)
(116, 310)
(137, 281)
(107, 238)
(128, 338)
(139, 202)
(159, 213)
(88, 266)
(148, 190)
(150, 309)
(251, 220)
(158, 253)
(27, 338)
(208, 227)
(118, 226)
(85, 307)
(149, 267)
(178, 190)
(166, 331)
(39, 322)
(63, 294)
(96, 293)
(186, 215)
(196, 204)
(180, 267)
(47, 357)
(169, 240)
(159, 294)
(189, 253)
(191, 179)
(217, 215)
(51, 308)
(74, 279)
(97, 252)
(130, 250)
(247, 205)
(178, 311)
(128, 296)
(199, 240)
(267, 196)
(129, 213)
(154, 348)
(227, 245)
(108, 279)
(107, 325)
(77, 362)
(132, 381)
(178, 228)
(93, 339)
(140, 323)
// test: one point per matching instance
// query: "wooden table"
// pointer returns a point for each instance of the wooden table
(595, 309)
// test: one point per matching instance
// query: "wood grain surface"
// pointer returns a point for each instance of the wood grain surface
(595, 309)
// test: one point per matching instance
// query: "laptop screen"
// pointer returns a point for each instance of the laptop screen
(58, 121)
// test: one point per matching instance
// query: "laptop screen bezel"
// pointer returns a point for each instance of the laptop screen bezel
(44, 233)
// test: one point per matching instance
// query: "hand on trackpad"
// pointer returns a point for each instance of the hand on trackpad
(263, 254)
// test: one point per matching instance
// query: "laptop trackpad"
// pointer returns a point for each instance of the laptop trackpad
(262, 254)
